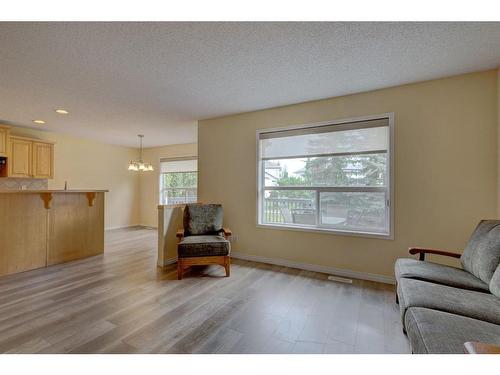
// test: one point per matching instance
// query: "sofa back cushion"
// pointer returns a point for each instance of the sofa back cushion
(482, 254)
(202, 219)
(495, 283)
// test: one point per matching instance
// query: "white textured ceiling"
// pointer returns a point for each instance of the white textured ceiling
(121, 79)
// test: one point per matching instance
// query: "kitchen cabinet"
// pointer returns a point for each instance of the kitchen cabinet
(4, 140)
(30, 158)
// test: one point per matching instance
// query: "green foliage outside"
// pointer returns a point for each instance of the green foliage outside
(180, 184)
(341, 171)
(358, 170)
(180, 179)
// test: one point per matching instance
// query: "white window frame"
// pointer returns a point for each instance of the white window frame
(160, 177)
(320, 229)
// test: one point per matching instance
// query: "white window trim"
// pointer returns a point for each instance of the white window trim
(319, 229)
(160, 174)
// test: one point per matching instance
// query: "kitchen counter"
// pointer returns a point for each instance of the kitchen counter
(39, 228)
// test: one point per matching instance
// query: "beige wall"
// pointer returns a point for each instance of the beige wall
(445, 171)
(150, 181)
(87, 164)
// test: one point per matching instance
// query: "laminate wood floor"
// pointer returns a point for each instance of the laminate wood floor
(122, 303)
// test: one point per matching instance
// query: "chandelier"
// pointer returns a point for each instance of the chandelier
(140, 165)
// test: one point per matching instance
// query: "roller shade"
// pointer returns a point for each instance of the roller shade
(183, 165)
(336, 139)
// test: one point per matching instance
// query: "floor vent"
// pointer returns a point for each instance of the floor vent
(340, 279)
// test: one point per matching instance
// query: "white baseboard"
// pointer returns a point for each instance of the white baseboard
(122, 227)
(306, 267)
(130, 226)
(316, 268)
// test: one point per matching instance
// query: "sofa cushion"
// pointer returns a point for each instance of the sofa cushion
(495, 283)
(201, 219)
(477, 305)
(202, 246)
(438, 273)
(482, 254)
(437, 332)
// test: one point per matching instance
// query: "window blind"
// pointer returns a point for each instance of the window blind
(342, 139)
(178, 165)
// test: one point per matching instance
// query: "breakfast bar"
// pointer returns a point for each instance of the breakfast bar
(39, 228)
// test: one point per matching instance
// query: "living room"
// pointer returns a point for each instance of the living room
(183, 187)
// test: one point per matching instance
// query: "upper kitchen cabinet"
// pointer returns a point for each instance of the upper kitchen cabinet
(20, 157)
(4, 140)
(30, 158)
(43, 160)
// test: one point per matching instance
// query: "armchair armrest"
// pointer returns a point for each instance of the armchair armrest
(422, 251)
(227, 232)
(180, 235)
(480, 348)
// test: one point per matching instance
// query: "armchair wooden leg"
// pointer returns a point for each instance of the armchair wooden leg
(227, 265)
(179, 269)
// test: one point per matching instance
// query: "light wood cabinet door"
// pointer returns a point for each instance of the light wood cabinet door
(43, 160)
(23, 242)
(20, 157)
(4, 138)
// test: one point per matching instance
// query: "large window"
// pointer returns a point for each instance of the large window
(178, 181)
(333, 176)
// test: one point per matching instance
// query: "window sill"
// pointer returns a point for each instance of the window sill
(384, 236)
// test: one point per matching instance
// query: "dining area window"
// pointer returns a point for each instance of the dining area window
(178, 181)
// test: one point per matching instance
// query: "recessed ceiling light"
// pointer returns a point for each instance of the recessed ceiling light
(61, 111)
(40, 122)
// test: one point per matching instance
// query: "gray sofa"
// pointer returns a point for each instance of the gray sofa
(443, 307)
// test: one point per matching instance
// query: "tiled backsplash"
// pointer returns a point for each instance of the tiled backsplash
(23, 183)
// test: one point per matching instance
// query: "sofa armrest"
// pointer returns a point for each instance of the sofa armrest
(180, 235)
(422, 251)
(472, 347)
(227, 232)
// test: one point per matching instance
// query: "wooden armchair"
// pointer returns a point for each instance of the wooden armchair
(203, 240)
(225, 231)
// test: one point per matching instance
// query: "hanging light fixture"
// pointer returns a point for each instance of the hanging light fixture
(140, 165)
